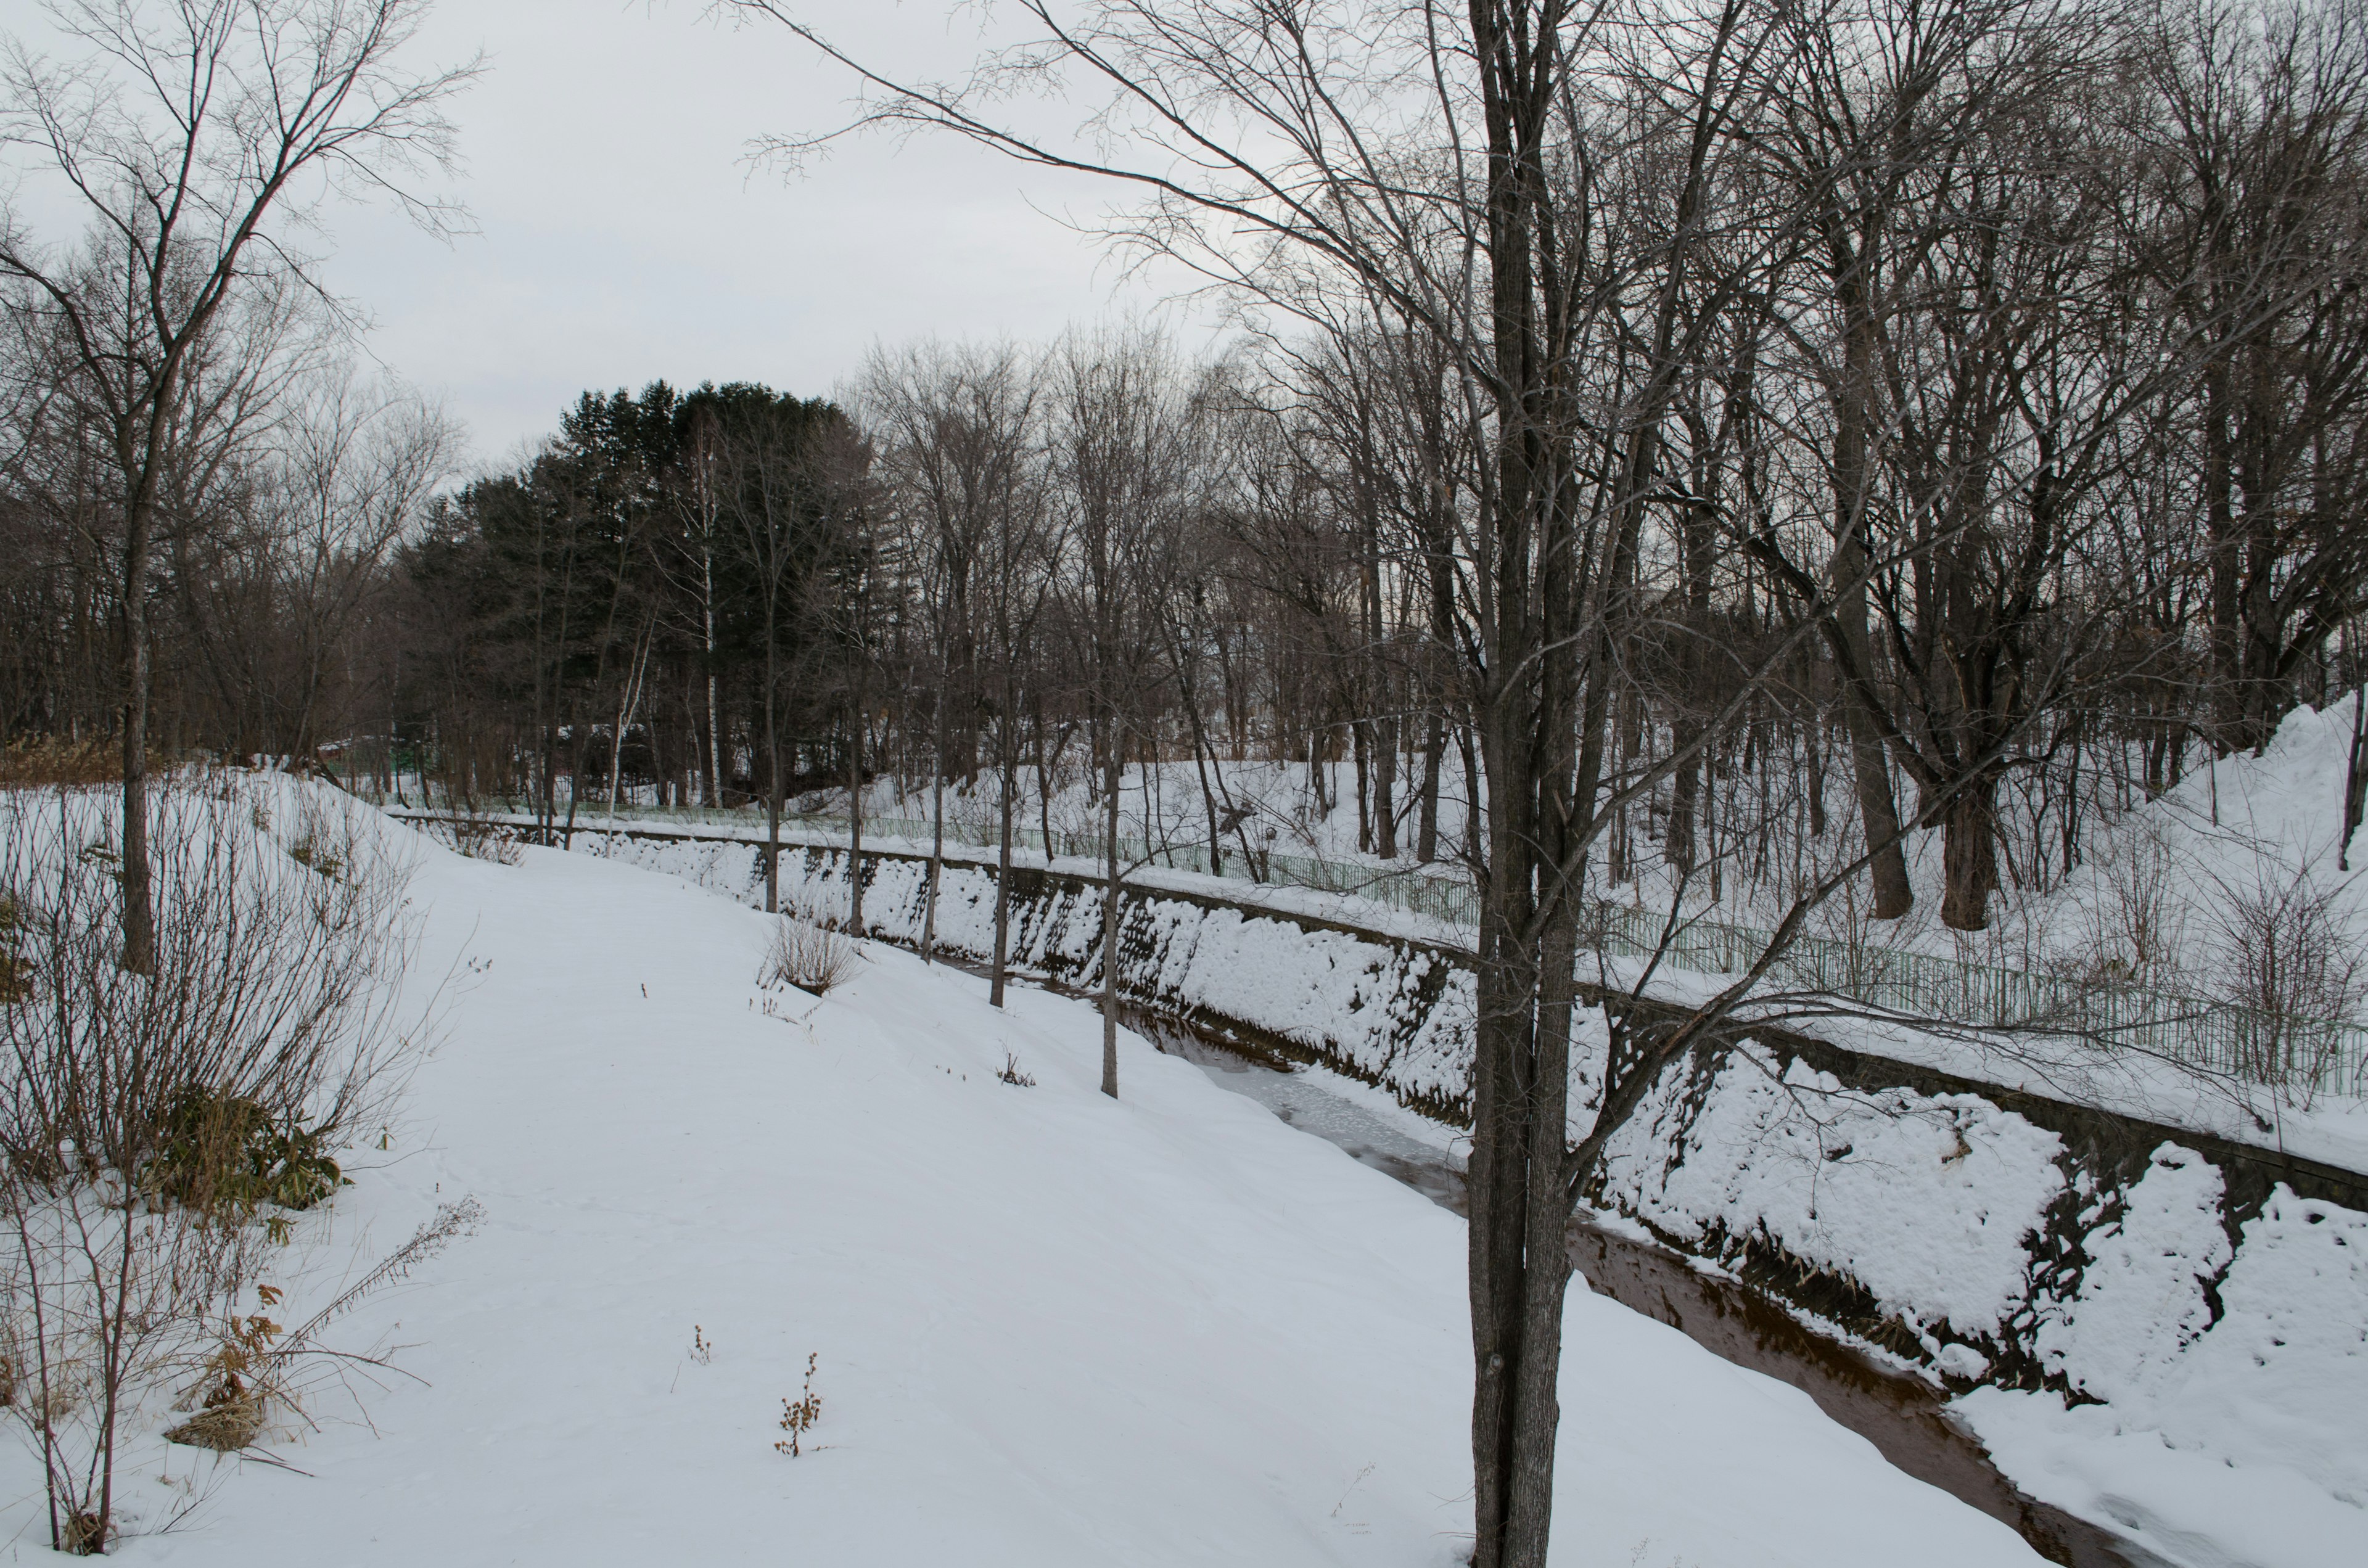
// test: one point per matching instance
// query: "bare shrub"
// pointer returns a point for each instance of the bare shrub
(812, 958)
(154, 1127)
(2290, 958)
(2132, 923)
(474, 838)
(273, 981)
(229, 1393)
(257, 1367)
(1012, 1075)
(107, 1293)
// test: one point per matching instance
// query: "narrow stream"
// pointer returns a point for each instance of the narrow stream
(1902, 1415)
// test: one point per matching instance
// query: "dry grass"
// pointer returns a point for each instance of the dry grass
(810, 956)
(476, 838)
(225, 1427)
(40, 761)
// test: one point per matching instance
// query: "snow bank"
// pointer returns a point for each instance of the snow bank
(1930, 1202)
(2234, 1381)
(1393, 1012)
(2226, 826)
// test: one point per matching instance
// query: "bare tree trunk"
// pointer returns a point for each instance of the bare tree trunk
(1044, 786)
(1878, 815)
(773, 783)
(938, 835)
(1114, 765)
(1969, 852)
(627, 707)
(1007, 767)
(855, 808)
(1434, 753)
(2355, 776)
(138, 916)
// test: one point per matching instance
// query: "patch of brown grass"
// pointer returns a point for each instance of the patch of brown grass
(37, 761)
(233, 1425)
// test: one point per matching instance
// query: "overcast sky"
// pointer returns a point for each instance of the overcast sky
(622, 237)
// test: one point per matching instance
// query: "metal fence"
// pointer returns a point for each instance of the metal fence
(2217, 1037)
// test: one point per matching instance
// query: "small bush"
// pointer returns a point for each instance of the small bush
(233, 1381)
(227, 1155)
(2289, 956)
(2133, 922)
(476, 838)
(309, 852)
(810, 956)
(799, 1415)
(224, 1428)
(1012, 1075)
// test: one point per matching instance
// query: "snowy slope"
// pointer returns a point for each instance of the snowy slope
(1051, 1329)
(2227, 829)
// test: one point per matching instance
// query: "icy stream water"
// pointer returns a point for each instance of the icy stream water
(1904, 1416)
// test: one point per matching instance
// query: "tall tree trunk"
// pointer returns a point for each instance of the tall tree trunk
(1969, 855)
(1007, 767)
(1434, 753)
(2355, 777)
(1115, 764)
(1685, 800)
(1043, 787)
(855, 808)
(138, 916)
(773, 783)
(938, 835)
(1360, 746)
(1877, 812)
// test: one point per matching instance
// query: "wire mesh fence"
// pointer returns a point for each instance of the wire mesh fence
(2220, 1036)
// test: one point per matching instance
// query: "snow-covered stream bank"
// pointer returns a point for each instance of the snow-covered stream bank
(2222, 1317)
(1903, 1415)
(1049, 1329)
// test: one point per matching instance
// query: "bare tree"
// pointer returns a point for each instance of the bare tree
(198, 137)
(1578, 208)
(275, 597)
(960, 463)
(1118, 445)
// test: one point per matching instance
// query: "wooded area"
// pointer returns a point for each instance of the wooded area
(1738, 435)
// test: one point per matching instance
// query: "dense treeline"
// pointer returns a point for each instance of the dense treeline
(660, 595)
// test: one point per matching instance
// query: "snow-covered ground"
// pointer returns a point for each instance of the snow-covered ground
(1048, 1328)
(2250, 1360)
